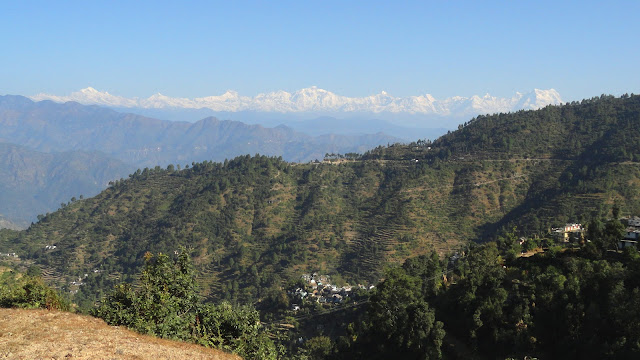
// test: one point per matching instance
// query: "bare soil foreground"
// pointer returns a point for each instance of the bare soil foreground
(43, 334)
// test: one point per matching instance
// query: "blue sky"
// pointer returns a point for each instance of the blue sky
(353, 48)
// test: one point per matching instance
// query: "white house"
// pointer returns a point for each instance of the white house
(632, 234)
(566, 231)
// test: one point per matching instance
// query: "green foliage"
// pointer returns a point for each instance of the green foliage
(553, 251)
(34, 271)
(29, 292)
(318, 348)
(400, 321)
(509, 244)
(479, 296)
(605, 233)
(613, 232)
(427, 268)
(561, 306)
(531, 244)
(163, 303)
(236, 329)
(166, 304)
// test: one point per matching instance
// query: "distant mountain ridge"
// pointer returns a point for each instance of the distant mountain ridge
(33, 182)
(50, 152)
(47, 126)
(314, 99)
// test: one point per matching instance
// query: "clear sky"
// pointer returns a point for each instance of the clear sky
(352, 48)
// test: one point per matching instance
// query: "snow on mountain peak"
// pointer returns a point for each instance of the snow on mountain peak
(314, 99)
(90, 90)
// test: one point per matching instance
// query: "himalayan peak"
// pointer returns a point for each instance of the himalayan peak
(314, 99)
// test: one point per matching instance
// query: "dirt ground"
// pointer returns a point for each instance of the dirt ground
(42, 334)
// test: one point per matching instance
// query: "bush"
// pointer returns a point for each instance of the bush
(31, 292)
(167, 305)
(319, 347)
(163, 306)
(234, 329)
(553, 251)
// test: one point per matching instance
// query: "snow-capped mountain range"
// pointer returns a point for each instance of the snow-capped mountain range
(316, 100)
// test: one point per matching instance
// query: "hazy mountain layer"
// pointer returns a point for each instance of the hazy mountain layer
(47, 126)
(36, 183)
(308, 109)
(408, 127)
(33, 182)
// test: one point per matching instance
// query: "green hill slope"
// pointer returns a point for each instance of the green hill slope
(578, 158)
(254, 222)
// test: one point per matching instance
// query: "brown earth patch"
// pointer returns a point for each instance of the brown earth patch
(43, 334)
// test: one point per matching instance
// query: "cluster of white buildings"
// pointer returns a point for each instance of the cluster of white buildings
(632, 233)
(568, 231)
(319, 289)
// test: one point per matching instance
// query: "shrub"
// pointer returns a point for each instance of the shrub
(235, 329)
(163, 306)
(31, 292)
(167, 305)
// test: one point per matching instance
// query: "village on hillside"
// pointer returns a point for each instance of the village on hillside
(318, 288)
(575, 233)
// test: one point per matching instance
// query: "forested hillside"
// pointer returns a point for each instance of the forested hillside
(565, 303)
(587, 154)
(253, 222)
